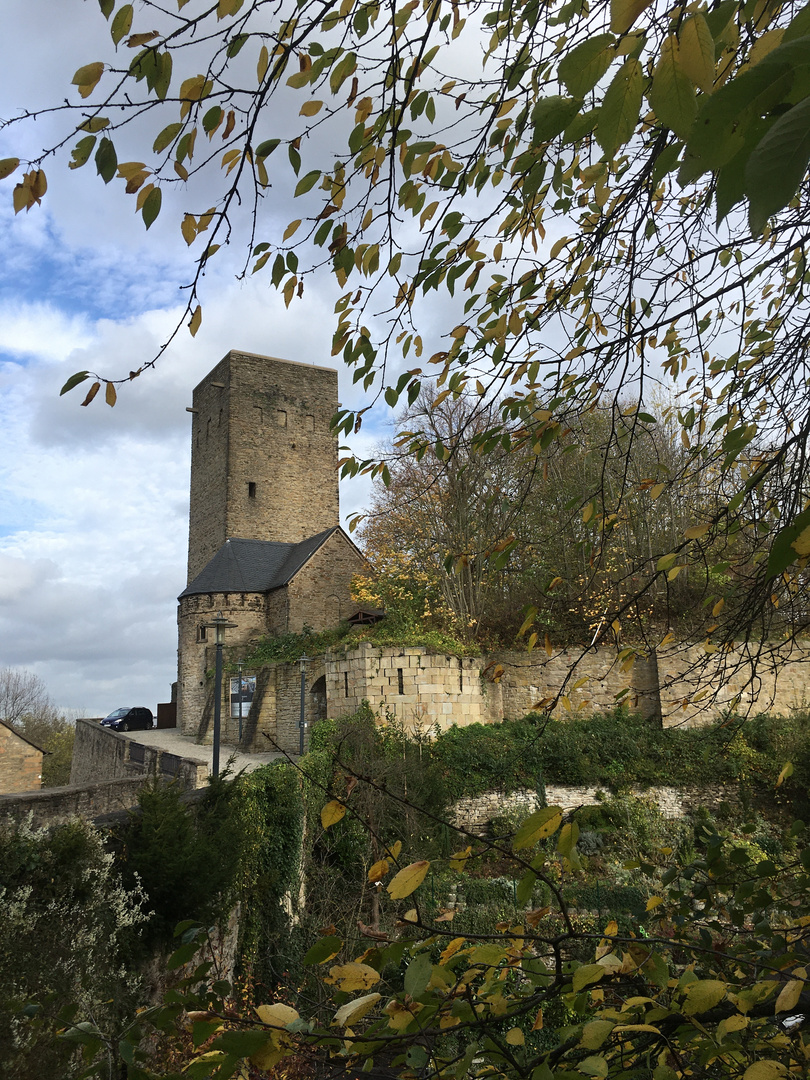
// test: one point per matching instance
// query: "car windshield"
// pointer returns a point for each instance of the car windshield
(115, 715)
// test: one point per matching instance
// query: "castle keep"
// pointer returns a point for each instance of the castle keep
(265, 544)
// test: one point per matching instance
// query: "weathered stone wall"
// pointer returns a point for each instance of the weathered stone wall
(20, 762)
(52, 805)
(474, 814)
(418, 687)
(690, 692)
(320, 594)
(264, 462)
(195, 657)
(102, 754)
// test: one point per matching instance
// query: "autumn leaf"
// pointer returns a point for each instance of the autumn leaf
(332, 813)
(408, 879)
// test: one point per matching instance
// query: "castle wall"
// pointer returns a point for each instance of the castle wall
(418, 687)
(263, 461)
(195, 657)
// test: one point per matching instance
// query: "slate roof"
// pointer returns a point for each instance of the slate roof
(254, 566)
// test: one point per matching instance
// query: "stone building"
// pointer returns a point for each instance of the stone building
(265, 544)
(20, 762)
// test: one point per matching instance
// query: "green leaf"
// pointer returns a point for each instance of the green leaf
(182, 955)
(777, 165)
(166, 137)
(588, 974)
(697, 51)
(151, 206)
(106, 160)
(306, 183)
(107, 7)
(94, 124)
(552, 115)
(623, 13)
(122, 23)
(323, 950)
(242, 1043)
(704, 995)
(163, 75)
(537, 826)
(346, 67)
(582, 68)
(417, 975)
(672, 94)
(782, 552)
(74, 380)
(81, 152)
(620, 108)
(266, 148)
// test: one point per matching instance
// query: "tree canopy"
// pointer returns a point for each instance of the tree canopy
(604, 197)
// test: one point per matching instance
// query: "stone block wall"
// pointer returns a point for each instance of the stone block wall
(320, 594)
(102, 754)
(20, 762)
(418, 687)
(195, 657)
(263, 462)
(475, 813)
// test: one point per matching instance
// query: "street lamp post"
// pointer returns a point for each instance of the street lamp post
(220, 624)
(239, 666)
(302, 724)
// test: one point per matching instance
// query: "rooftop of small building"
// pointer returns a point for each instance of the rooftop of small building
(255, 566)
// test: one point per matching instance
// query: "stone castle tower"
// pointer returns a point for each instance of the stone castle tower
(263, 460)
(265, 545)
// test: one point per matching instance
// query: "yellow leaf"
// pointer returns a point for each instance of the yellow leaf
(697, 52)
(276, 1015)
(611, 928)
(789, 996)
(400, 1016)
(8, 166)
(653, 902)
(656, 490)
(801, 545)
(310, 108)
(395, 849)
(673, 573)
(91, 393)
(451, 949)
(515, 1037)
(87, 78)
(188, 227)
(557, 247)
(379, 870)
(353, 1011)
(588, 512)
(332, 813)
(696, 531)
(459, 860)
(350, 977)
(109, 394)
(704, 995)
(718, 607)
(623, 13)
(595, 1033)
(787, 771)
(408, 880)
(196, 319)
(261, 67)
(765, 1070)
(291, 228)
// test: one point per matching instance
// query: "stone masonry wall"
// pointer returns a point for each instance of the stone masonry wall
(782, 682)
(20, 762)
(320, 594)
(474, 814)
(195, 657)
(102, 754)
(418, 687)
(264, 462)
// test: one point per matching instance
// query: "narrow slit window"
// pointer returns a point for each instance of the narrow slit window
(345, 683)
(460, 675)
(202, 633)
(400, 681)
(251, 489)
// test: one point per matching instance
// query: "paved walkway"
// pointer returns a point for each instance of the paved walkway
(171, 740)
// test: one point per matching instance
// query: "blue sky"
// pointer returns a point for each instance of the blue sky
(94, 502)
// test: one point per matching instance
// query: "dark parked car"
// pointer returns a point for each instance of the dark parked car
(137, 719)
